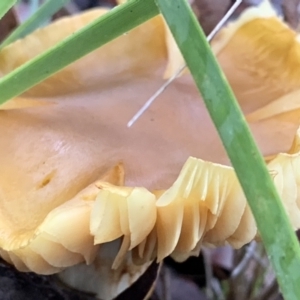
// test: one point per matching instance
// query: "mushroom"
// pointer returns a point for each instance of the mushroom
(260, 57)
(65, 205)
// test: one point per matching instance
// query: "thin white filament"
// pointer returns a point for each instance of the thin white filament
(181, 69)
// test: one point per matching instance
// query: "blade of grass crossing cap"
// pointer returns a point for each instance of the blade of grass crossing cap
(44, 12)
(116, 22)
(5, 5)
(279, 239)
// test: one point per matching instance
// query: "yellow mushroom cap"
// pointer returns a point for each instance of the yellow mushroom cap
(260, 56)
(61, 182)
(52, 153)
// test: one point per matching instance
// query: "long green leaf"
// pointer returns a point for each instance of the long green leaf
(113, 24)
(275, 229)
(5, 5)
(46, 11)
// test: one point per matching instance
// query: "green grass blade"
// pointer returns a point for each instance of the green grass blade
(277, 234)
(46, 11)
(5, 5)
(113, 24)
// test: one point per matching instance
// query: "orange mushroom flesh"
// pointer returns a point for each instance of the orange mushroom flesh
(61, 193)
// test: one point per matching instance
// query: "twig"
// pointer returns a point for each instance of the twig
(269, 291)
(245, 261)
(208, 274)
(217, 289)
(165, 276)
(212, 284)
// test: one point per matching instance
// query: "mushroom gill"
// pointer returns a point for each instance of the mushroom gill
(63, 197)
(205, 205)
